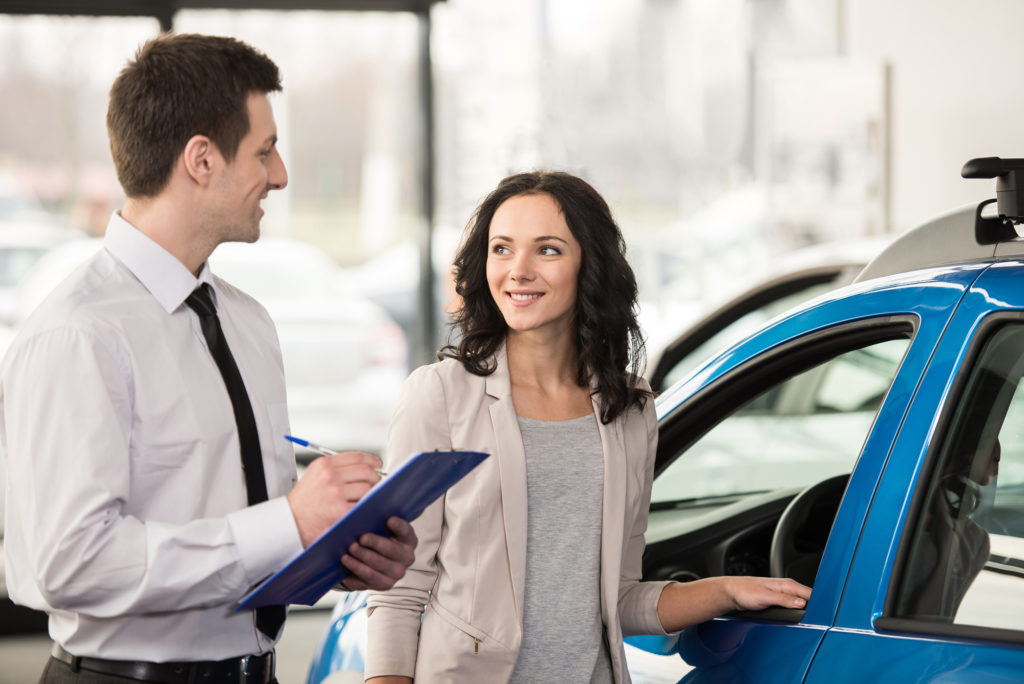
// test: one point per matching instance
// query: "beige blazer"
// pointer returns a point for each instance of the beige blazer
(468, 579)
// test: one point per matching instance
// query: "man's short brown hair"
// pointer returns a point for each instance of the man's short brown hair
(179, 86)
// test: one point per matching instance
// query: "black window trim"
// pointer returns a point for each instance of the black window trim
(907, 626)
(887, 622)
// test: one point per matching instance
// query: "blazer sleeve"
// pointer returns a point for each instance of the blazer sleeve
(420, 423)
(638, 601)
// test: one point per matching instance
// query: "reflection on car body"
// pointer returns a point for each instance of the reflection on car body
(816, 447)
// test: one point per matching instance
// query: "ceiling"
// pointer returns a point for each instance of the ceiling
(164, 9)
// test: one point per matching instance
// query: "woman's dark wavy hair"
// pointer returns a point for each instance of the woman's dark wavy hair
(609, 345)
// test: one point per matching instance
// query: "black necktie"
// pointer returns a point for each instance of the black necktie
(269, 618)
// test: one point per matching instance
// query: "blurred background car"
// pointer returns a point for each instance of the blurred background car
(345, 358)
(752, 301)
(22, 244)
(27, 232)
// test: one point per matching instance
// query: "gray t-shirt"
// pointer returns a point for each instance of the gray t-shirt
(563, 634)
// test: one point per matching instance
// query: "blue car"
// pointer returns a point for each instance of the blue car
(869, 443)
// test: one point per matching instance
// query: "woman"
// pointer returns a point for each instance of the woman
(529, 569)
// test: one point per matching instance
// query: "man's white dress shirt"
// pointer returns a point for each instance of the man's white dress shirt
(126, 506)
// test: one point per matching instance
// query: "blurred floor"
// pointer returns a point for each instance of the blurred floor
(22, 657)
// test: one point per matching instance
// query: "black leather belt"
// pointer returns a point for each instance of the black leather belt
(244, 670)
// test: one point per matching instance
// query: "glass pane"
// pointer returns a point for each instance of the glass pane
(794, 434)
(966, 558)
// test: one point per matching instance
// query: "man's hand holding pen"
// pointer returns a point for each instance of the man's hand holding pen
(330, 487)
(322, 450)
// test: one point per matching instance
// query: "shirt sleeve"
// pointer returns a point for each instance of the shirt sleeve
(72, 540)
(419, 424)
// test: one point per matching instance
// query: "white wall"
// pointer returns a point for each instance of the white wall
(957, 93)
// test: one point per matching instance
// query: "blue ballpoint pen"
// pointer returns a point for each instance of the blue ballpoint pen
(322, 450)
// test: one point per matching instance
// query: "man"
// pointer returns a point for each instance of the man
(129, 395)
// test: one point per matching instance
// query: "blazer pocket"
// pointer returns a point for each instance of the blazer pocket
(457, 622)
(452, 650)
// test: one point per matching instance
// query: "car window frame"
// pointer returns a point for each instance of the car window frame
(888, 621)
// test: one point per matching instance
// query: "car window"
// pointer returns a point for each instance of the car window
(964, 563)
(740, 328)
(794, 433)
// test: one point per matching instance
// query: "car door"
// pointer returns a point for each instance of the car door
(730, 530)
(936, 590)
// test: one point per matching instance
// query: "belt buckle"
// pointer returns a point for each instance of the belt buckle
(243, 670)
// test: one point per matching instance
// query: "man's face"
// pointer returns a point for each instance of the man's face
(256, 170)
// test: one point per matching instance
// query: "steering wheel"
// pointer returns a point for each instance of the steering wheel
(787, 558)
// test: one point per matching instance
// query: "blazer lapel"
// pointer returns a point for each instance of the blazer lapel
(508, 446)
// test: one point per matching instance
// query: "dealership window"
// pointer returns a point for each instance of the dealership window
(686, 119)
(964, 560)
(343, 282)
(55, 73)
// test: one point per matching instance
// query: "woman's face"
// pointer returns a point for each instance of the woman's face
(533, 262)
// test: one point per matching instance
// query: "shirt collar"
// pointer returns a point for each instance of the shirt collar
(160, 272)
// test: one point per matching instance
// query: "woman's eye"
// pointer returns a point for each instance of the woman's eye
(499, 249)
(548, 250)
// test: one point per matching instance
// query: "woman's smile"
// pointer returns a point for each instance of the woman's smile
(524, 298)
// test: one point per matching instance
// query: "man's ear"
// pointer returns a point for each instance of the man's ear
(199, 158)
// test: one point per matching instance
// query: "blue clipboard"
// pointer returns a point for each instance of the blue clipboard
(404, 493)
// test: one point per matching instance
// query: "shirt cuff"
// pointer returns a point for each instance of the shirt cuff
(266, 536)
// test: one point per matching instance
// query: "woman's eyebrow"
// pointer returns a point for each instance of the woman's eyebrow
(539, 238)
